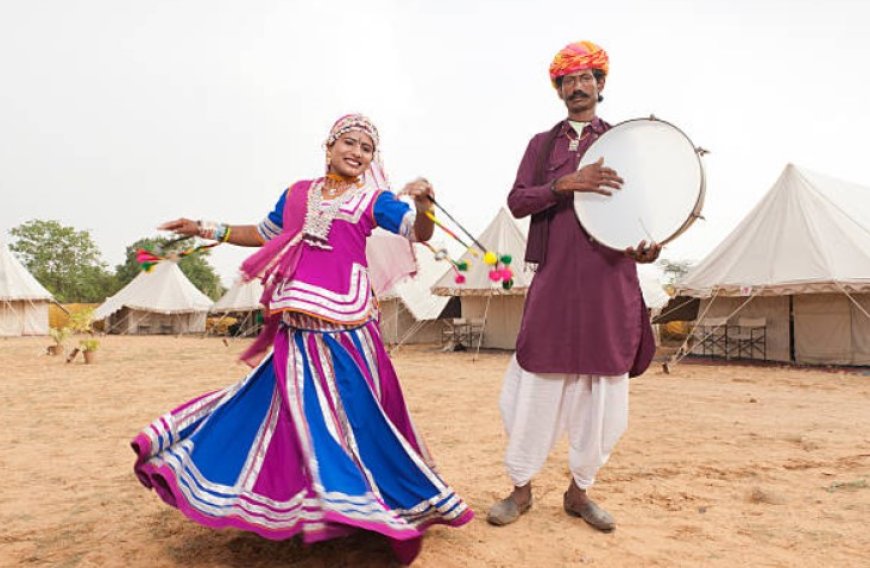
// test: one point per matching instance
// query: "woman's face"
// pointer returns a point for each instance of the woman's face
(351, 154)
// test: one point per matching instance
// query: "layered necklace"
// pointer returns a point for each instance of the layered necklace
(577, 130)
(318, 219)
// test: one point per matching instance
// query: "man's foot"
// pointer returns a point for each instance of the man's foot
(589, 511)
(508, 509)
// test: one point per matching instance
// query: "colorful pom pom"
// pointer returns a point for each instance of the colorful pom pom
(459, 279)
(495, 275)
(507, 284)
(490, 258)
(506, 259)
(462, 265)
(507, 273)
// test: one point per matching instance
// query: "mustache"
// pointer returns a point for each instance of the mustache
(579, 95)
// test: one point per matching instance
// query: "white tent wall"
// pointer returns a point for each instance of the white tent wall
(23, 317)
(830, 329)
(11, 319)
(35, 318)
(503, 317)
(397, 322)
(137, 322)
(774, 309)
(861, 329)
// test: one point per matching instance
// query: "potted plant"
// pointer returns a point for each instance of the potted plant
(80, 321)
(89, 349)
(59, 335)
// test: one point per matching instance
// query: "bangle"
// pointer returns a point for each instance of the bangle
(226, 236)
(213, 231)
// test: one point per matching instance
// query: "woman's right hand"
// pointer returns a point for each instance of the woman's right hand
(186, 227)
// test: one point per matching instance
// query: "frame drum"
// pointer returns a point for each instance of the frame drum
(663, 192)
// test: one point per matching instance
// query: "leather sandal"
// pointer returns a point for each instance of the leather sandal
(590, 512)
(506, 511)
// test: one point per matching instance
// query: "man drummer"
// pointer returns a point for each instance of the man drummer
(585, 328)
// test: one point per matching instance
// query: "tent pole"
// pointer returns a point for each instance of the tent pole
(482, 331)
(791, 351)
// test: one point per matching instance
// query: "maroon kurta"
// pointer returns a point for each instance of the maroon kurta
(584, 312)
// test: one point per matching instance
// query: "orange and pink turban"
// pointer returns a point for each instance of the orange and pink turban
(576, 57)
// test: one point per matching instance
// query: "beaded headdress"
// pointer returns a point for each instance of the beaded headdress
(361, 123)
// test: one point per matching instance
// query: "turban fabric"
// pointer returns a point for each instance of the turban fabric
(576, 57)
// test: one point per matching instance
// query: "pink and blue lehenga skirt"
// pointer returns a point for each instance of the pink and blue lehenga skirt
(315, 441)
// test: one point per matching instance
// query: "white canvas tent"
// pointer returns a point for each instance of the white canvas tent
(241, 297)
(800, 260)
(651, 287)
(501, 310)
(410, 312)
(242, 301)
(23, 301)
(162, 301)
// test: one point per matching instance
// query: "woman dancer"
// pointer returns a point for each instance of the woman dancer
(316, 439)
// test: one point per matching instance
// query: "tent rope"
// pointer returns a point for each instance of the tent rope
(682, 352)
(854, 301)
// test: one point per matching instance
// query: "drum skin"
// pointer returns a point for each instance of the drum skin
(663, 189)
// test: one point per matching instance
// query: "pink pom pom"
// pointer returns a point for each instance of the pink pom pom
(459, 279)
(507, 273)
(495, 275)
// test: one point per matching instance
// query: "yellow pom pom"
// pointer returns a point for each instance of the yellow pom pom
(490, 258)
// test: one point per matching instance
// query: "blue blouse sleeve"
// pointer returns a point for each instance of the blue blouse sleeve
(273, 224)
(395, 215)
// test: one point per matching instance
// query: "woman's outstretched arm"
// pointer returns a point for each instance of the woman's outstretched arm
(241, 235)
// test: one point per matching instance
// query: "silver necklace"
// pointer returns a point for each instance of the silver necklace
(318, 219)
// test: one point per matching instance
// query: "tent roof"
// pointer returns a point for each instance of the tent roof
(415, 292)
(241, 297)
(810, 233)
(164, 290)
(502, 236)
(16, 283)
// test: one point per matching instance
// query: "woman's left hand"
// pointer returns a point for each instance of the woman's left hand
(422, 192)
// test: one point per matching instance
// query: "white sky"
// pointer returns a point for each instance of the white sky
(116, 115)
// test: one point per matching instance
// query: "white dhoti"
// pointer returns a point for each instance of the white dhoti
(538, 408)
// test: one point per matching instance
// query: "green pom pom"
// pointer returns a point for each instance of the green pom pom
(462, 266)
(507, 284)
(506, 259)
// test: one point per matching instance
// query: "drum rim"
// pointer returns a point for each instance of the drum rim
(695, 213)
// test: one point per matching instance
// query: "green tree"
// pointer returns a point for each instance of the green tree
(675, 270)
(194, 266)
(66, 261)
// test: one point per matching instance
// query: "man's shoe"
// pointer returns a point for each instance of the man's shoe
(506, 511)
(591, 513)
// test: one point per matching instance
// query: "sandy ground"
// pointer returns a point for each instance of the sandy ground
(721, 466)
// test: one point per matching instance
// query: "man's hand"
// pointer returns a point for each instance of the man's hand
(644, 254)
(592, 178)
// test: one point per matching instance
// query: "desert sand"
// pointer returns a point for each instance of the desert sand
(721, 466)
